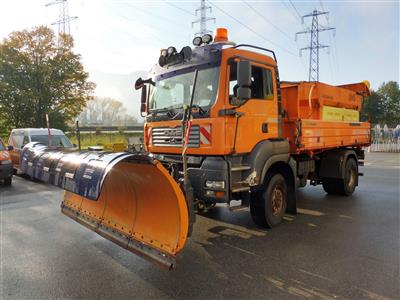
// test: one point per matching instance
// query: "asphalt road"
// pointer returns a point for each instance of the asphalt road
(335, 247)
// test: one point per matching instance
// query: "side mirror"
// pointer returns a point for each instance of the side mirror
(139, 83)
(143, 100)
(244, 80)
(10, 148)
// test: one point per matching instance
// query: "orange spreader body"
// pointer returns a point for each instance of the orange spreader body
(303, 124)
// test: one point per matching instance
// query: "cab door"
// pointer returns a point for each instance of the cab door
(257, 118)
(16, 140)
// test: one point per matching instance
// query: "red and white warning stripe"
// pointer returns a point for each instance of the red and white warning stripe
(150, 135)
(205, 135)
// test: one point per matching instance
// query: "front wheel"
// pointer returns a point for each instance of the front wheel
(267, 207)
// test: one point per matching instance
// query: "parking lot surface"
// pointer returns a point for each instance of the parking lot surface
(336, 247)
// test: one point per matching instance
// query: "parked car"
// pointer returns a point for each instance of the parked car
(22, 136)
(6, 168)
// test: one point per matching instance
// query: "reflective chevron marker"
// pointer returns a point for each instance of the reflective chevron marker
(205, 134)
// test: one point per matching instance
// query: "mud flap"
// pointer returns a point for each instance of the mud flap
(129, 199)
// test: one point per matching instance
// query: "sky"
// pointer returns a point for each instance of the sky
(121, 37)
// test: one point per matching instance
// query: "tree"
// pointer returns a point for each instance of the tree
(106, 111)
(383, 106)
(39, 76)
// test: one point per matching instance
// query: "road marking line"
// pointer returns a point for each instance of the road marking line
(310, 212)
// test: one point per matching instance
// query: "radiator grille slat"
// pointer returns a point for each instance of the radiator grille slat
(172, 137)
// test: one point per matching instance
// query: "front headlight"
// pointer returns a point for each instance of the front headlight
(5, 162)
(211, 184)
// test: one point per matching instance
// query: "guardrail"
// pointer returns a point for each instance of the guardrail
(134, 128)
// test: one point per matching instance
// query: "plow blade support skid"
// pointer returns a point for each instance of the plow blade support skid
(127, 198)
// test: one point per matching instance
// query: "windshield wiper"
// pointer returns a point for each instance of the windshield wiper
(169, 110)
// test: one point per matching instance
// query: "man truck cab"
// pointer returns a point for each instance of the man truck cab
(20, 137)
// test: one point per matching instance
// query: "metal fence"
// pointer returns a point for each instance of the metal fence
(385, 139)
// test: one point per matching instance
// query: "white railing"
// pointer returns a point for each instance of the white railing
(385, 139)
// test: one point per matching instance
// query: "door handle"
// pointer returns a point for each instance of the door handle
(264, 127)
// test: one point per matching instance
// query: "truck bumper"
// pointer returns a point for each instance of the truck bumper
(210, 182)
(6, 171)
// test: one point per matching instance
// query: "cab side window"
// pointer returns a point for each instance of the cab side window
(268, 84)
(232, 80)
(17, 140)
(261, 82)
(257, 83)
(26, 140)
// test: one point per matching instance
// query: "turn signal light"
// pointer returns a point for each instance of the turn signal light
(221, 35)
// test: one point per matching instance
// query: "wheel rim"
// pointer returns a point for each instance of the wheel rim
(277, 200)
(351, 178)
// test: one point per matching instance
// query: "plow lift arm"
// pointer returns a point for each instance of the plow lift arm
(130, 199)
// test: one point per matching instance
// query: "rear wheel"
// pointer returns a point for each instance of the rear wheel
(267, 207)
(345, 186)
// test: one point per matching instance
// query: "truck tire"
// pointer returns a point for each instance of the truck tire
(345, 186)
(267, 207)
(8, 181)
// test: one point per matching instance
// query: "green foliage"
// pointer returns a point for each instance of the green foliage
(4, 130)
(107, 112)
(39, 76)
(383, 106)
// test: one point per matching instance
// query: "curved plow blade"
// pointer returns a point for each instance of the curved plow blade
(129, 199)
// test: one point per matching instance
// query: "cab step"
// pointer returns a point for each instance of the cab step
(236, 205)
(239, 168)
(240, 187)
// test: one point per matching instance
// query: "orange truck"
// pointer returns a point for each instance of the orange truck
(220, 127)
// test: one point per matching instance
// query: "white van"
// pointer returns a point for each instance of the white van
(22, 136)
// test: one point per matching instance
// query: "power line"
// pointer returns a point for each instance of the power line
(171, 21)
(250, 29)
(155, 37)
(334, 53)
(266, 20)
(323, 9)
(294, 7)
(180, 8)
(291, 11)
(152, 34)
(313, 72)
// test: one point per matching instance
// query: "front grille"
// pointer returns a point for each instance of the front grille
(172, 137)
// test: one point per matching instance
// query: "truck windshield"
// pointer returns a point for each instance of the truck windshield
(174, 91)
(56, 140)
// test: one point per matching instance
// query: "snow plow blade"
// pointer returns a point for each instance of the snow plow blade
(130, 199)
